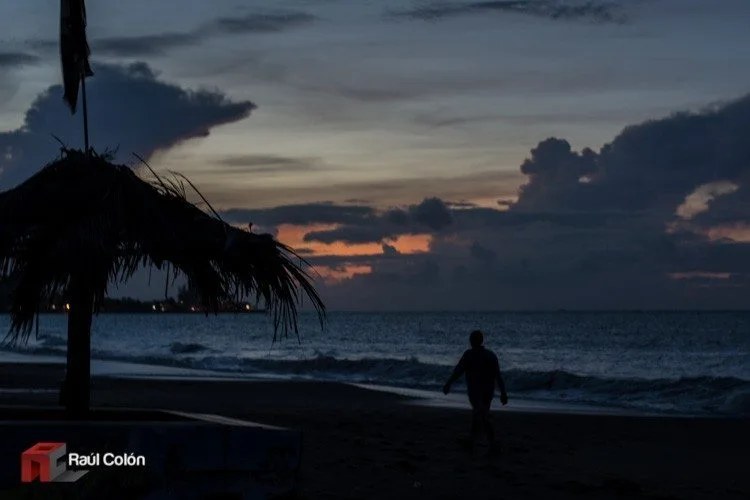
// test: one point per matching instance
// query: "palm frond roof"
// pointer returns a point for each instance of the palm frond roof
(82, 215)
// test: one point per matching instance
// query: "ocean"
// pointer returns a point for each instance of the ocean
(666, 362)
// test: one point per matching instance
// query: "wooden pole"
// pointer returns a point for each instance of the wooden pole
(85, 112)
(77, 389)
(75, 393)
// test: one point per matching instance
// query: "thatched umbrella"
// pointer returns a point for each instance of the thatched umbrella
(82, 223)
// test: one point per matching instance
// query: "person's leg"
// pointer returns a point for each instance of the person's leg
(486, 425)
(484, 422)
(489, 429)
(477, 423)
(477, 420)
(480, 418)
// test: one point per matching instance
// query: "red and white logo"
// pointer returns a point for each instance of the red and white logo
(47, 462)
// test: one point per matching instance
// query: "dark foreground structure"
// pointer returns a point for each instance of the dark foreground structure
(81, 224)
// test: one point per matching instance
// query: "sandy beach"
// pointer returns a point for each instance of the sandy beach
(368, 444)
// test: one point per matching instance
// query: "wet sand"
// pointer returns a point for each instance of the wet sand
(370, 444)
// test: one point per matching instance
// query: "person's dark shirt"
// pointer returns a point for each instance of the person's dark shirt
(482, 370)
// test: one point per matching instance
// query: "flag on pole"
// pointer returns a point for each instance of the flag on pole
(74, 49)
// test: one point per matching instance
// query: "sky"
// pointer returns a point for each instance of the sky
(485, 155)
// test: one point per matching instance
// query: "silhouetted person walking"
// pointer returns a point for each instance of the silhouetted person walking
(482, 371)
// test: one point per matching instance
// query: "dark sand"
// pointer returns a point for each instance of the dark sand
(366, 444)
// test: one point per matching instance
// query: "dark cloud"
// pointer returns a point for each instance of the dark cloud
(17, 59)
(491, 218)
(397, 216)
(432, 216)
(356, 223)
(390, 250)
(129, 107)
(594, 11)
(645, 173)
(555, 171)
(353, 234)
(429, 216)
(553, 160)
(432, 213)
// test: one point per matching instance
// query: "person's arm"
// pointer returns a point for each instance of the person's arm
(457, 372)
(501, 384)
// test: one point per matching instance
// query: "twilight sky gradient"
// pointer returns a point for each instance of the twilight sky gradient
(405, 146)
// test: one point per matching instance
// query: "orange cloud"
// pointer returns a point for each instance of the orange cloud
(294, 237)
(699, 201)
(739, 233)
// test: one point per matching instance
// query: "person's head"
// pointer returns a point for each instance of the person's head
(476, 339)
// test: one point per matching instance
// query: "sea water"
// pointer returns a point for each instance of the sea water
(670, 362)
